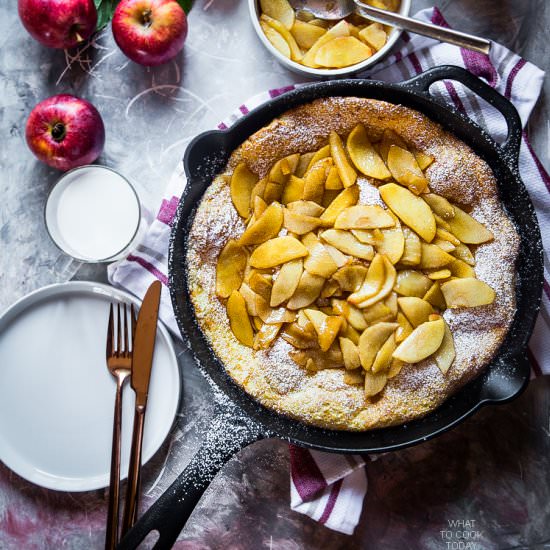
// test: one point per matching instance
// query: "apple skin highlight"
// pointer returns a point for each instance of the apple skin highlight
(58, 23)
(149, 32)
(65, 131)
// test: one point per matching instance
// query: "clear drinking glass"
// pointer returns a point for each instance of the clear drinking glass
(93, 214)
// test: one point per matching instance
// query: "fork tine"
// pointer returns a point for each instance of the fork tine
(110, 333)
(126, 348)
(119, 335)
(134, 322)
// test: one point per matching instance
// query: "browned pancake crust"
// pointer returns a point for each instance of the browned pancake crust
(322, 398)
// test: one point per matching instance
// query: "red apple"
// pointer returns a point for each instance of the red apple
(58, 23)
(65, 132)
(150, 32)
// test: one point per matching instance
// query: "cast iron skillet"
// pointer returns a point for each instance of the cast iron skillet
(245, 420)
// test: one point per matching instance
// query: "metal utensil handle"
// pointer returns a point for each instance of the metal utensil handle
(111, 536)
(132, 490)
(170, 512)
(422, 83)
(462, 39)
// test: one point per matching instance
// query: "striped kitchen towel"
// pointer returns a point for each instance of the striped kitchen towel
(331, 488)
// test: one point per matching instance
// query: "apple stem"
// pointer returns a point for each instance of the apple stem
(58, 131)
(78, 37)
(146, 18)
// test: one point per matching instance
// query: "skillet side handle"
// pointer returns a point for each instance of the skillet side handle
(422, 83)
(170, 512)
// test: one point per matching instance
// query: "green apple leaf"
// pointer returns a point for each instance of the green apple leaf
(106, 8)
(186, 5)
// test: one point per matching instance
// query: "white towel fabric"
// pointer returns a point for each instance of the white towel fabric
(327, 487)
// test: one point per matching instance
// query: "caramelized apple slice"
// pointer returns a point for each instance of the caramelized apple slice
(365, 236)
(467, 292)
(283, 168)
(347, 173)
(363, 216)
(422, 342)
(250, 299)
(286, 282)
(424, 160)
(306, 208)
(462, 252)
(445, 235)
(351, 277)
(412, 252)
(446, 353)
(318, 155)
(295, 52)
(242, 183)
(383, 358)
(415, 309)
(405, 169)
(461, 269)
(258, 191)
(468, 229)
(351, 354)
(276, 39)
(342, 52)
(277, 251)
(412, 210)
(300, 337)
(340, 29)
(404, 329)
(395, 368)
(363, 155)
(352, 315)
(265, 227)
(435, 296)
(389, 138)
(339, 259)
(265, 336)
(440, 205)
(230, 268)
(375, 383)
(348, 197)
(314, 180)
(333, 181)
(260, 206)
(273, 192)
(376, 275)
(347, 243)
(440, 274)
(319, 262)
(303, 164)
(387, 287)
(260, 284)
(433, 257)
(372, 340)
(374, 36)
(412, 283)
(239, 320)
(354, 377)
(377, 312)
(326, 327)
(307, 292)
(280, 10)
(391, 243)
(306, 34)
(293, 190)
(298, 223)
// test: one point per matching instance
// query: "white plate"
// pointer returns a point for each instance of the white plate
(57, 396)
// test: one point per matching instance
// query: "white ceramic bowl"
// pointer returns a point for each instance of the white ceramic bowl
(254, 9)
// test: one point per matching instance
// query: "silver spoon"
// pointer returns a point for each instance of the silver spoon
(338, 9)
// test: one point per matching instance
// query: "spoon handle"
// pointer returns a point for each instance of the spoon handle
(442, 34)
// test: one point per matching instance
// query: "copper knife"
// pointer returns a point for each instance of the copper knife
(143, 348)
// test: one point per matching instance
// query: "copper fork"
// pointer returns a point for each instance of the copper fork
(119, 363)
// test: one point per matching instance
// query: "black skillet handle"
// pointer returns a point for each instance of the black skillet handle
(170, 512)
(422, 83)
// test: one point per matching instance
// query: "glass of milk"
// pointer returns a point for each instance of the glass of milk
(93, 214)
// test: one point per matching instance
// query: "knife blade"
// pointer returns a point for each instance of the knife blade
(142, 361)
(144, 343)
